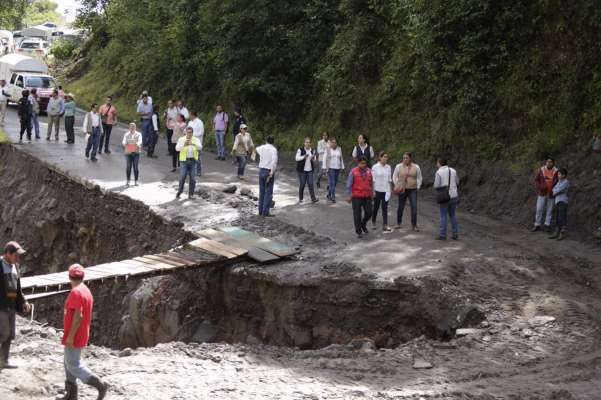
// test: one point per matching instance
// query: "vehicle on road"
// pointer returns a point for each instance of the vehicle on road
(22, 72)
(34, 48)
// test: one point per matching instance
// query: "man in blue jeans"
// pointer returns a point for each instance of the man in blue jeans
(145, 113)
(220, 125)
(268, 161)
(189, 150)
(446, 179)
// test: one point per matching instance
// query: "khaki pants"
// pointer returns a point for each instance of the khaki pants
(53, 120)
(2, 111)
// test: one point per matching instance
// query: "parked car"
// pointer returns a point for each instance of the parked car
(34, 48)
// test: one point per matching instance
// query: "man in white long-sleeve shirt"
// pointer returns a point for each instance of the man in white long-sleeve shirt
(199, 131)
(268, 161)
(4, 95)
(446, 180)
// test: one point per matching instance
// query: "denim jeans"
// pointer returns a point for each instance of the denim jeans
(305, 178)
(449, 208)
(380, 197)
(93, 142)
(220, 141)
(35, 122)
(105, 138)
(70, 128)
(562, 214)
(265, 191)
(187, 168)
(241, 164)
(199, 164)
(410, 194)
(333, 175)
(132, 160)
(544, 204)
(146, 131)
(74, 368)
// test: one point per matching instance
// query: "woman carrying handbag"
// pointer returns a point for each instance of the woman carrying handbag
(407, 180)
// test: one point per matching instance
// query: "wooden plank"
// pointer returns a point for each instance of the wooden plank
(254, 252)
(165, 260)
(212, 247)
(46, 294)
(147, 263)
(159, 265)
(233, 246)
(140, 264)
(279, 249)
(37, 281)
(174, 257)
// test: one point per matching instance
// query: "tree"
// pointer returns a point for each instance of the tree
(11, 13)
(41, 11)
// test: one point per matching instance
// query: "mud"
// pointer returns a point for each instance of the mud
(60, 219)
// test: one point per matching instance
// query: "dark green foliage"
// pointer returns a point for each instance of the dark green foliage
(476, 78)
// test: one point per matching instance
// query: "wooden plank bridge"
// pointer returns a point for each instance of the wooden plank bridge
(220, 246)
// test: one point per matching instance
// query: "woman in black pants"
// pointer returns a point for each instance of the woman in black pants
(179, 130)
(382, 176)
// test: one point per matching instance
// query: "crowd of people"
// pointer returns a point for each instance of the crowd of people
(370, 183)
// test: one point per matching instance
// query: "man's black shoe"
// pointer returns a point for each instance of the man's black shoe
(364, 229)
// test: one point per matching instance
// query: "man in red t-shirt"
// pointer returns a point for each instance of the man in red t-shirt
(77, 321)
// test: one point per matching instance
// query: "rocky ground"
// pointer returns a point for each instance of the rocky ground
(540, 337)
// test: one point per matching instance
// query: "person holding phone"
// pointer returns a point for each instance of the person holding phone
(189, 148)
(132, 144)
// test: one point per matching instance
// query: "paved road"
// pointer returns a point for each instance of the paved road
(398, 254)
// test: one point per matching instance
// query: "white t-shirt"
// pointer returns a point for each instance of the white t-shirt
(442, 180)
(382, 177)
(198, 127)
(95, 120)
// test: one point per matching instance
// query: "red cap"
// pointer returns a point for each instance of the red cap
(76, 271)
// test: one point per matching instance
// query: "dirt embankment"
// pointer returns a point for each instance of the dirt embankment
(61, 220)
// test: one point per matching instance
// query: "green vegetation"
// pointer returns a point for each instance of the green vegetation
(482, 79)
(3, 136)
(42, 11)
(11, 13)
(63, 50)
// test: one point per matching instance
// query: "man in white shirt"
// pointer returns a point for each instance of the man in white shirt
(4, 95)
(199, 131)
(445, 182)
(268, 161)
(305, 158)
(183, 110)
(144, 94)
(170, 117)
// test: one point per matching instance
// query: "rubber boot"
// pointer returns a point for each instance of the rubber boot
(99, 385)
(70, 391)
(4, 353)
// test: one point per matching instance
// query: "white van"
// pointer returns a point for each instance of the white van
(22, 72)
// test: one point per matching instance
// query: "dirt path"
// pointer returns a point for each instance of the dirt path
(512, 275)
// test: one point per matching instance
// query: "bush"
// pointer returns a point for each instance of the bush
(63, 49)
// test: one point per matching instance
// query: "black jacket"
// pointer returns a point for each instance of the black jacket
(237, 122)
(24, 109)
(6, 303)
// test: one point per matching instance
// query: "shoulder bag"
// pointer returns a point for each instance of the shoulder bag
(442, 194)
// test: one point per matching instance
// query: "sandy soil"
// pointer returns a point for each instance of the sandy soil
(512, 275)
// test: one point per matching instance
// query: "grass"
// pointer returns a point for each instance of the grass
(3, 137)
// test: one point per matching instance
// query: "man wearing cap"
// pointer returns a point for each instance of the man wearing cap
(77, 322)
(11, 299)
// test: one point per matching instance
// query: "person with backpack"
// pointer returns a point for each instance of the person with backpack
(382, 176)
(360, 189)
(220, 125)
(92, 126)
(305, 167)
(108, 114)
(407, 179)
(333, 163)
(363, 149)
(35, 112)
(24, 110)
(446, 185)
(544, 181)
